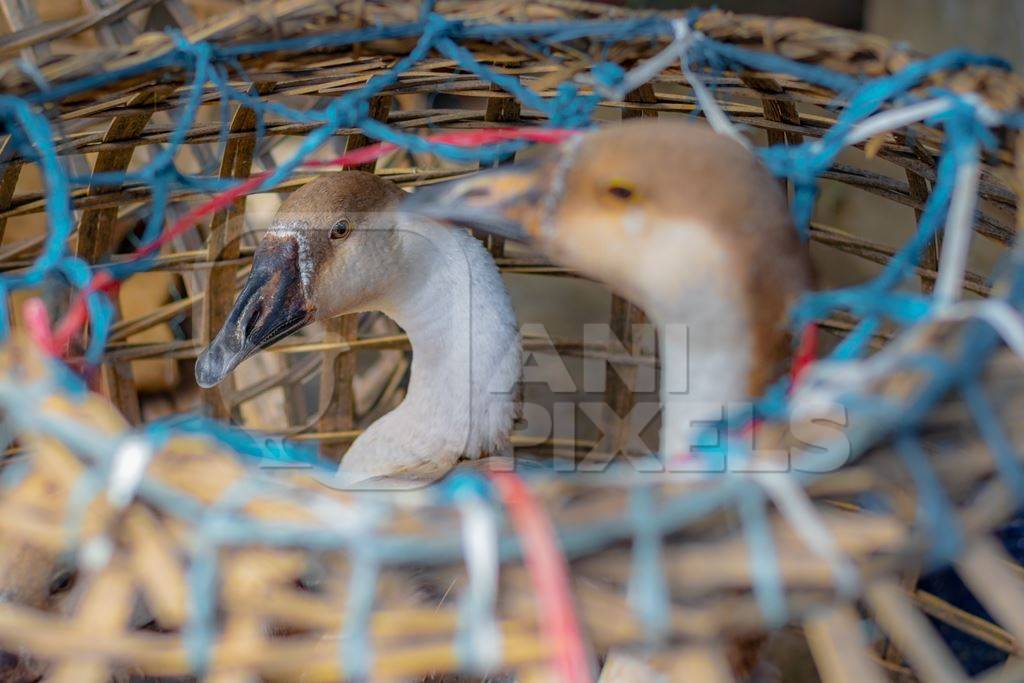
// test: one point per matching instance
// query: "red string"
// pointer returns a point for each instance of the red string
(74, 320)
(806, 352)
(547, 566)
(550, 576)
(37, 324)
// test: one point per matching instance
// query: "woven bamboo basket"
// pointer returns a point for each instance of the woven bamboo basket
(201, 564)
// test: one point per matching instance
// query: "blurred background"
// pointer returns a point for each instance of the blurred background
(929, 25)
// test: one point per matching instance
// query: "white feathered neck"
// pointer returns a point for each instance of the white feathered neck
(466, 357)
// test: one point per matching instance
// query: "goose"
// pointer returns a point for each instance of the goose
(681, 220)
(338, 246)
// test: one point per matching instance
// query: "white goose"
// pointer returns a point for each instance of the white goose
(683, 221)
(337, 246)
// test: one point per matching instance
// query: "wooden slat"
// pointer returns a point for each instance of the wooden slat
(775, 109)
(699, 662)
(156, 567)
(22, 15)
(337, 411)
(105, 612)
(8, 183)
(245, 626)
(620, 378)
(623, 667)
(224, 245)
(500, 110)
(44, 32)
(987, 570)
(8, 180)
(920, 191)
(703, 662)
(887, 649)
(913, 635)
(962, 620)
(841, 652)
(97, 235)
(625, 316)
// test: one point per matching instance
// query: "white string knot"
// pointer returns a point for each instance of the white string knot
(127, 469)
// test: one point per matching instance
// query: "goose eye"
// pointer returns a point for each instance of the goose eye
(340, 230)
(63, 581)
(620, 191)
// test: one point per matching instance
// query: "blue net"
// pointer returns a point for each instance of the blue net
(870, 106)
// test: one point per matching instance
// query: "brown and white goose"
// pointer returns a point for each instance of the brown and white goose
(337, 246)
(683, 221)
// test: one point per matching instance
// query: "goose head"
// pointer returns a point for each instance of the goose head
(668, 213)
(331, 249)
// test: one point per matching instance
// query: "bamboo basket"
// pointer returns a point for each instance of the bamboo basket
(201, 564)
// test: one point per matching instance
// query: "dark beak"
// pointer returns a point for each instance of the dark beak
(506, 201)
(271, 306)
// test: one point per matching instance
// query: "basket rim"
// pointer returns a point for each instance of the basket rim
(803, 40)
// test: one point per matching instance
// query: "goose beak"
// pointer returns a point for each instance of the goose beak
(272, 305)
(504, 201)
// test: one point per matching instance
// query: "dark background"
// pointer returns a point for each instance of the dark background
(995, 26)
(845, 13)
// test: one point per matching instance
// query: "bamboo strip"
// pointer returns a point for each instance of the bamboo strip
(986, 569)
(839, 647)
(912, 633)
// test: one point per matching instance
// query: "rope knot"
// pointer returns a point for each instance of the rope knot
(608, 74)
(437, 26)
(462, 486)
(345, 113)
(570, 109)
(968, 119)
(201, 52)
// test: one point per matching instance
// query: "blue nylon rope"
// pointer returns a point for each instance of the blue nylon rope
(200, 630)
(935, 512)
(648, 591)
(764, 564)
(875, 299)
(355, 649)
(250, 444)
(477, 635)
(985, 416)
